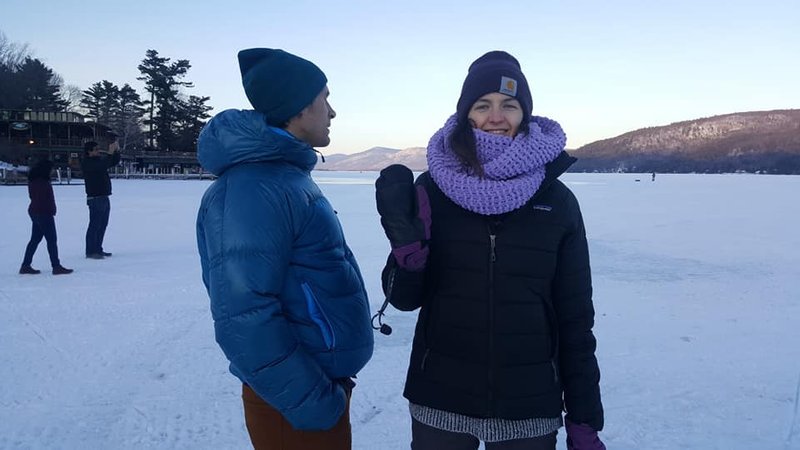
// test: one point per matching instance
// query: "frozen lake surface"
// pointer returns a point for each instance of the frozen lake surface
(696, 292)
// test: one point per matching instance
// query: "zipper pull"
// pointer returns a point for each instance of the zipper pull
(492, 238)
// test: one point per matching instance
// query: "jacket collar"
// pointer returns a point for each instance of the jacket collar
(235, 137)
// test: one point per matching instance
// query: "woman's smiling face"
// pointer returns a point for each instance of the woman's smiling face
(496, 113)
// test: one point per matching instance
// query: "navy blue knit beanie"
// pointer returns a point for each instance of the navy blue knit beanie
(496, 71)
(279, 84)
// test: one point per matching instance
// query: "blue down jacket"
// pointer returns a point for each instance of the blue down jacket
(289, 305)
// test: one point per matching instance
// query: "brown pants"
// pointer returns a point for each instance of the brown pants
(270, 431)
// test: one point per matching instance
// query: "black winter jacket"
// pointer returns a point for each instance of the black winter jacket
(505, 325)
(95, 174)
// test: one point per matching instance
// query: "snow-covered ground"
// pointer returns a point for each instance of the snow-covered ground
(696, 290)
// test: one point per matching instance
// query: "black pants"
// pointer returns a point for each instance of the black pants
(424, 437)
(42, 226)
(99, 210)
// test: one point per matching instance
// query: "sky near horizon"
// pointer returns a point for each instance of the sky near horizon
(395, 69)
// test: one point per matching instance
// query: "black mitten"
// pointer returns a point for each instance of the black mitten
(397, 205)
(405, 215)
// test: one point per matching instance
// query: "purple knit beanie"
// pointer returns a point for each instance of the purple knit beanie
(496, 71)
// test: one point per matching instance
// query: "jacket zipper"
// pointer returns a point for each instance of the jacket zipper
(492, 260)
(555, 371)
(390, 284)
(318, 316)
(424, 358)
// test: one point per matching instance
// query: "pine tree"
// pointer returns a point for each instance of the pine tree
(100, 100)
(120, 109)
(10, 97)
(161, 80)
(192, 116)
(128, 117)
(30, 85)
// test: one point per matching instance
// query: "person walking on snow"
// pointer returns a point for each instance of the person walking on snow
(42, 211)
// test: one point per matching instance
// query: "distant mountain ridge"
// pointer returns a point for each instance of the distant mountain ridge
(755, 141)
(376, 158)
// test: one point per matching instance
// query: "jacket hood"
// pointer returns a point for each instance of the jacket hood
(235, 137)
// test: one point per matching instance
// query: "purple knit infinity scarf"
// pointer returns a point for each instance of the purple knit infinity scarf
(513, 167)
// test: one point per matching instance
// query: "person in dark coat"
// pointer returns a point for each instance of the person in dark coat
(95, 165)
(42, 212)
(490, 246)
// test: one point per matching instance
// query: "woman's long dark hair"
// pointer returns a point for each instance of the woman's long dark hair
(462, 141)
(40, 170)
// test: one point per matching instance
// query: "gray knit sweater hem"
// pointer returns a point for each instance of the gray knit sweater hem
(486, 429)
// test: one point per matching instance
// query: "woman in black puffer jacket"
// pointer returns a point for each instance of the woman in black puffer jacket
(491, 247)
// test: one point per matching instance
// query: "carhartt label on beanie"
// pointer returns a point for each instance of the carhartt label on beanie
(508, 86)
(279, 84)
(496, 71)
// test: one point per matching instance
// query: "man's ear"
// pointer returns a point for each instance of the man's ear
(294, 119)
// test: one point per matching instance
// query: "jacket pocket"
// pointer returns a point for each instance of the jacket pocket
(553, 323)
(318, 316)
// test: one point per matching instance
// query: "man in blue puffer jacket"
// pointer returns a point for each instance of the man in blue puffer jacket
(289, 305)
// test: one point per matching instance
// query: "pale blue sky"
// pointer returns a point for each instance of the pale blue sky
(600, 68)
